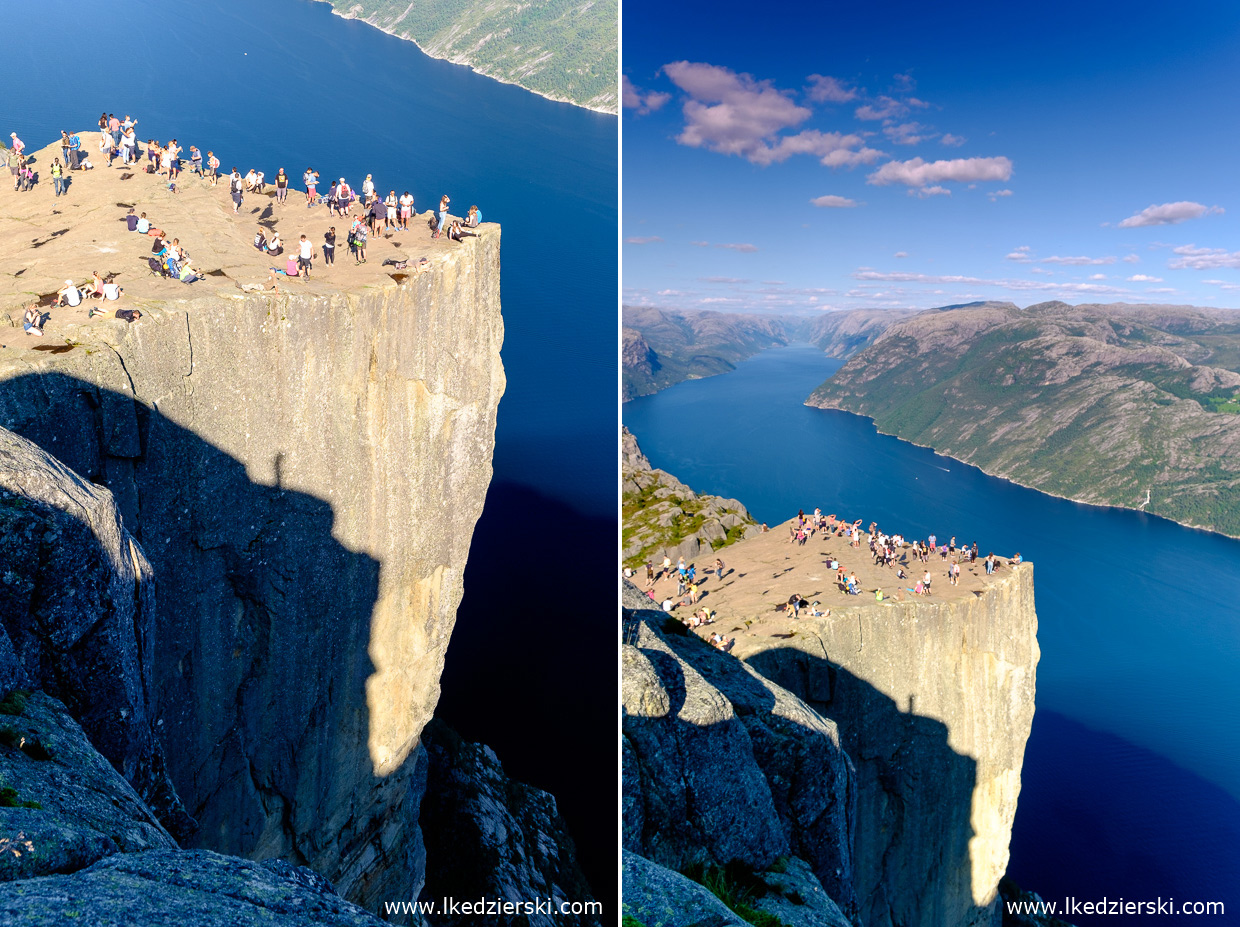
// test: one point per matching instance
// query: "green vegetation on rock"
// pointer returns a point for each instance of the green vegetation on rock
(1102, 404)
(562, 49)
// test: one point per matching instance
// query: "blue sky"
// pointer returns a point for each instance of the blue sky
(802, 157)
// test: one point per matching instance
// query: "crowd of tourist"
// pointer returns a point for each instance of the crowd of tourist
(369, 213)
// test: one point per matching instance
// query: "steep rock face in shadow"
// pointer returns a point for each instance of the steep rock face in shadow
(77, 614)
(490, 836)
(934, 703)
(722, 766)
(304, 475)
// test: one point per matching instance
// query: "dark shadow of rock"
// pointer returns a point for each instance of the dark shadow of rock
(260, 647)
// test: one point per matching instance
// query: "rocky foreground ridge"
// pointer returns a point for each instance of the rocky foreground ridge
(1133, 406)
(874, 752)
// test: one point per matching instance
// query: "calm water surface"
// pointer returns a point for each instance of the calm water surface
(1132, 774)
(287, 83)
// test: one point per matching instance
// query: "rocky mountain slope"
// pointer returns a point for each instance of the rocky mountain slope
(662, 347)
(563, 49)
(1101, 404)
(664, 517)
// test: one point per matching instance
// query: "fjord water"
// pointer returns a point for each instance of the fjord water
(1131, 784)
(287, 83)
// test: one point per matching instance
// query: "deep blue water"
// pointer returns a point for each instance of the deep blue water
(285, 83)
(1132, 774)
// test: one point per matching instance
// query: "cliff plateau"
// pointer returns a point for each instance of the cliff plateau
(303, 470)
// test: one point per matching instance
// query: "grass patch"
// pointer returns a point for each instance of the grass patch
(737, 886)
(14, 703)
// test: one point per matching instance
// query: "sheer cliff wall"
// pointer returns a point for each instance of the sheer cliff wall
(304, 472)
(934, 703)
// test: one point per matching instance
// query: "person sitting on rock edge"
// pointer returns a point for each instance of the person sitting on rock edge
(32, 321)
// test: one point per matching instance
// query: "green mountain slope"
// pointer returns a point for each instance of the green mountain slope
(1096, 403)
(562, 49)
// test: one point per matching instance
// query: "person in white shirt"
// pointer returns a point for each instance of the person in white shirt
(71, 295)
(111, 290)
(305, 255)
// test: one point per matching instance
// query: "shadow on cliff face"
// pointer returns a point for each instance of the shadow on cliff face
(548, 658)
(910, 862)
(261, 643)
(915, 796)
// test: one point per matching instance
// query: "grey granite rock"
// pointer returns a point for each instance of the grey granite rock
(175, 888)
(86, 810)
(491, 837)
(659, 897)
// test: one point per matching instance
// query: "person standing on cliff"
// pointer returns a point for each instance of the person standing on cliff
(235, 185)
(311, 179)
(305, 255)
(329, 246)
(443, 216)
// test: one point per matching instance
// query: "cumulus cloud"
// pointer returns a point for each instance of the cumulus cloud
(1020, 254)
(1132, 259)
(1194, 258)
(643, 239)
(825, 89)
(832, 149)
(906, 133)
(832, 201)
(901, 254)
(921, 173)
(884, 108)
(952, 141)
(633, 98)
(923, 192)
(728, 112)
(735, 114)
(1097, 276)
(1168, 214)
(743, 248)
(1143, 278)
(995, 194)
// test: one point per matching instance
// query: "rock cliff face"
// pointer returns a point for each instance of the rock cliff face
(303, 473)
(934, 703)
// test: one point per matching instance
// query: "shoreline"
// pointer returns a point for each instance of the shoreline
(1016, 482)
(466, 64)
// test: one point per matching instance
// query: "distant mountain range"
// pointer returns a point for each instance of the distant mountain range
(1114, 404)
(562, 49)
(662, 347)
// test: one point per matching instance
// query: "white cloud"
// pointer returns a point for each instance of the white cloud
(670, 293)
(1132, 259)
(1194, 258)
(728, 112)
(643, 240)
(1098, 276)
(1223, 284)
(633, 98)
(906, 133)
(921, 173)
(886, 108)
(1076, 261)
(831, 201)
(952, 141)
(700, 244)
(1143, 278)
(1013, 284)
(901, 254)
(995, 194)
(724, 280)
(743, 248)
(1168, 214)
(735, 114)
(1161, 289)
(936, 190)
(1020, 254)
(829, 90)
